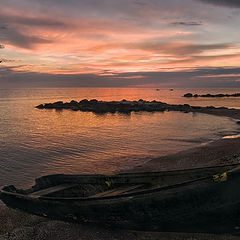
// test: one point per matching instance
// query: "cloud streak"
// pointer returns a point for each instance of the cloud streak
(199, 77)
(226, 3)
(185, 23)
(169, 48)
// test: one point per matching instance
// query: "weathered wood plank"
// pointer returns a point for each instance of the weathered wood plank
(117, 191)
(54, 189)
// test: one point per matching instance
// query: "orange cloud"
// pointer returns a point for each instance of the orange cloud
(113, 38)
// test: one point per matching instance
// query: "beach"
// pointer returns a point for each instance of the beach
(18, 225)
(223, 151)
(15, 225)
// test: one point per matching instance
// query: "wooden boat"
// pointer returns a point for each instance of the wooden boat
(194, 200)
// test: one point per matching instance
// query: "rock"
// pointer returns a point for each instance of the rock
(220, 95)
(93, 101)
(84, 101)
(196, 107)
(188, 95)
(74, 103)
(58, 104)
(49, 105)
(41, 106)
(101, 107)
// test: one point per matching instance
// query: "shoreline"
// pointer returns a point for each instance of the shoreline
(215, 152)
(222, 151)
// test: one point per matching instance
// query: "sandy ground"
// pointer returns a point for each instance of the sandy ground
(224, 151)
(15, 225)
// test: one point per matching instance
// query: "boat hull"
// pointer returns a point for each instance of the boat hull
(210, 204)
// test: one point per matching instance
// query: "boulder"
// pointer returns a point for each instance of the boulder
(74, 103)
(188, 95)
(84, 101)
(93, 101)
(41, 106)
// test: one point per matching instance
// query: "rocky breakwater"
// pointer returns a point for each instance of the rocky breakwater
(190, 95)
(96, 106)
(125, 106)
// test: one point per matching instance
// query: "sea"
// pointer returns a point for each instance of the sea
(36, 142)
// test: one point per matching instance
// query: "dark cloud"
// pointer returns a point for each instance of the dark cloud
(15, 37)
(140, 3)
(18, 30)
(227, 3)
(183, 23)
(176, 48)
(11, 78)
(196, 58)
(33, 21)
(198, 77)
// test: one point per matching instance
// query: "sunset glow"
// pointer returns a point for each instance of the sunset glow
(119, 43)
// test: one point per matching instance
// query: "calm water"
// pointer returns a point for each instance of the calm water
(36, 142)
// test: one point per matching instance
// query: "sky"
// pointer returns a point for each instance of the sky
(127, 43)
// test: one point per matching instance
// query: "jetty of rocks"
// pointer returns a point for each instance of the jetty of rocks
(125, 106)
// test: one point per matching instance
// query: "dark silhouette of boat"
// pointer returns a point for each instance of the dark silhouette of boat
(192, 200)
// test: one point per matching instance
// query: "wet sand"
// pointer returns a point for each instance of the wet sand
(21, 226)
(224, 151)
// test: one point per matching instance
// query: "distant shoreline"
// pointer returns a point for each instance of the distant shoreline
(208, 95)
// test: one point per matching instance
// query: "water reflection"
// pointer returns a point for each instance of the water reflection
(36, 142)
